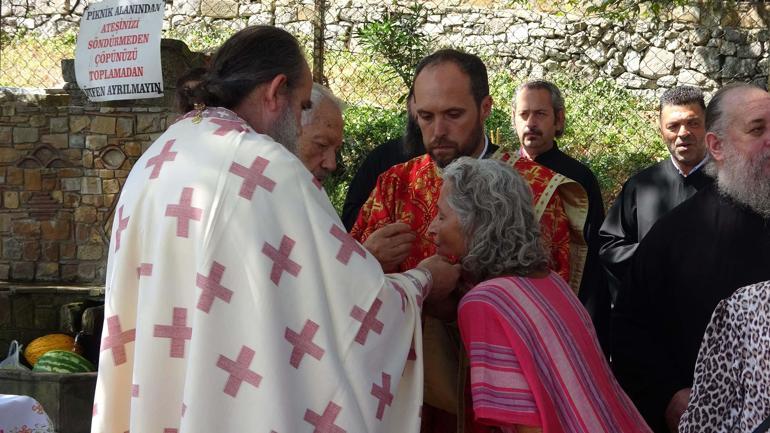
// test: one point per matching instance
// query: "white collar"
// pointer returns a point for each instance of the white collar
(694, 169)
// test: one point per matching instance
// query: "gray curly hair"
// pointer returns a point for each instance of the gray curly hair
(494, 207)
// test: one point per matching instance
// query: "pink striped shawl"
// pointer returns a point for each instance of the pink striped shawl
(535, 360)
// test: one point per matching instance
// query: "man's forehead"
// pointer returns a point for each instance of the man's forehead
(326, 112)
(533, 98)
(748, 105)
(682, 110)
(447, 76)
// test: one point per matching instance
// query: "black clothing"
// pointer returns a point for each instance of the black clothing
(377, 162)
(692, 258)
(593, 292)
(645, 198)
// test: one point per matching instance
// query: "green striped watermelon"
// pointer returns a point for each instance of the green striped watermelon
(62, 361)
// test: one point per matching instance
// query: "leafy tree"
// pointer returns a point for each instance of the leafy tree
(399, 38)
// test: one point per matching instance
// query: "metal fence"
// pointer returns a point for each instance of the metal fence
(611, 63)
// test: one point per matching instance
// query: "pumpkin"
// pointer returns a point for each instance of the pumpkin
(63, 361)
(40, 346)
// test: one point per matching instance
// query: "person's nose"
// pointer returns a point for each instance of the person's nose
(440, 128)
(329, 159)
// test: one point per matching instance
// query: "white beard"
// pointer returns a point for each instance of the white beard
(285, 130)
(746, 180)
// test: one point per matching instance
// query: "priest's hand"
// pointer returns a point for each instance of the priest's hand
(390, 245)
(676, 408)
(445, 276)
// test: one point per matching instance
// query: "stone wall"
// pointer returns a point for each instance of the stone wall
(63, 161)
(691, 46)
(61, 169)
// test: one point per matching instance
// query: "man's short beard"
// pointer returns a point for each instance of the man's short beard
(745, 179)
(285, 130)
(476, 140)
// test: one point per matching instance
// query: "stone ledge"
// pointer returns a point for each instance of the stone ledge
(16, 288)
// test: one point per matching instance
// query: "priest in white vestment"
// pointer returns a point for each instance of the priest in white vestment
(236, 301)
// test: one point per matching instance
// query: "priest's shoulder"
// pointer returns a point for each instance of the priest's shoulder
(689, 218)
(567, 165)
(650, 176)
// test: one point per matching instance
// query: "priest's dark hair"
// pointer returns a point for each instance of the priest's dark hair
(682, 95)
(470, 64)
(250, 58)
(715, 109)
(184, 97)
(411, 141)
(557, 100)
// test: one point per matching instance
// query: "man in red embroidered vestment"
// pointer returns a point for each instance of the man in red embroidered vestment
(451, 102)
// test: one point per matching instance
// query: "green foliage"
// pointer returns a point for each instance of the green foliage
(200, 37)
(608, 128)
(358, 78)
(366, 127)
(399, 38)
(625, 9)
(31, 59)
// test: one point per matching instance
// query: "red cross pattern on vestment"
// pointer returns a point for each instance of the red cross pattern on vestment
(158, 160)
(348, 247)
(122, 224)
(368, 321)
(325, 423)
(281, 261)
(144, 270)
(170, 430)
(397, 287)
(117, 339)
(252, 177)
(226, 126)
(239, 371)
(212, 288)
(383, 394)
(94, 411)
(184, 212)
(178, 332)
(134, 390)
(303, 343)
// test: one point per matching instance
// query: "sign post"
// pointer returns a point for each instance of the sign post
(118, 50)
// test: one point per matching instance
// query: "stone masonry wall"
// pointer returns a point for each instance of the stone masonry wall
(691, 46)
(61, 169)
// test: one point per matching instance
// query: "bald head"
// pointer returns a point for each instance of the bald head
(738, 137)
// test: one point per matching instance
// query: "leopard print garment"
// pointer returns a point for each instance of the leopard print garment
(731, 392)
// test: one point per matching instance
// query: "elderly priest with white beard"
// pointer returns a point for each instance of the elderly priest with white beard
(698, 254)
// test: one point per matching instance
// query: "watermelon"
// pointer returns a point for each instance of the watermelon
(62, 361)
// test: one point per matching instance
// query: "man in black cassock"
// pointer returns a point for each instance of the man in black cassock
(538, 114)
(653, 192)
(693, 257)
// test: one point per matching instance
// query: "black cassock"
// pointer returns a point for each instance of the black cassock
(695, 256)
(645, 198)
(593, 292)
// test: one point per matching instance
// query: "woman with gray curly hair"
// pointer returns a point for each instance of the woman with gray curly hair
(535, 363)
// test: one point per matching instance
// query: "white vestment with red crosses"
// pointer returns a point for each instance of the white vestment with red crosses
(236, 302)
